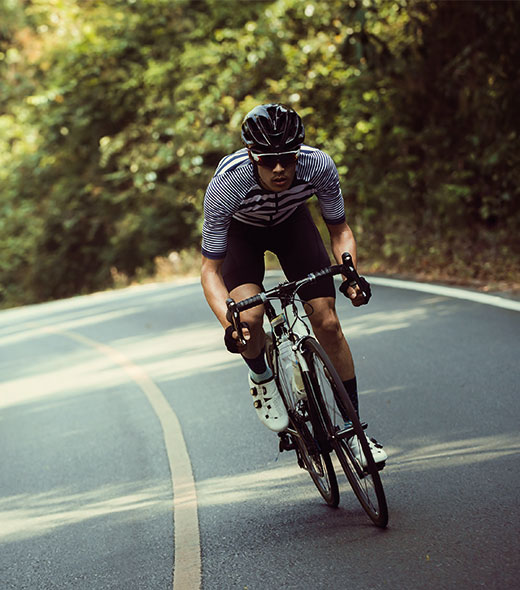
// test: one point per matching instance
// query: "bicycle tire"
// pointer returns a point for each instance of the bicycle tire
(317, 464)
(336, 408)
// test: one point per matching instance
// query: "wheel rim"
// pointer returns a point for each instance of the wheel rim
(319, 466)
(366, 484)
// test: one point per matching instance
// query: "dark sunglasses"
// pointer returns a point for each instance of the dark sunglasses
(270, 160)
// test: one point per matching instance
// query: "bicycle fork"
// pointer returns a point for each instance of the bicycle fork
(303, 408)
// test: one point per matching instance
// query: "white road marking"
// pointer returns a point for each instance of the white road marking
(187, 554)
(454, 292)
(475, 296)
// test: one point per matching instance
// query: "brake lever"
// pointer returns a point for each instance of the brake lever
(233, 317)
(350, 272)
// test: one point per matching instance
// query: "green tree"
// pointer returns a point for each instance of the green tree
(113, 116)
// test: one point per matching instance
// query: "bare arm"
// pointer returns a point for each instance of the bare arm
(216, 294)
(214, 288)
(342, 240)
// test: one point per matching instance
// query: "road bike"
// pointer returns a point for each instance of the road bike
(322, 418)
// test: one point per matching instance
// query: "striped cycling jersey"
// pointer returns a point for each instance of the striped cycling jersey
(235, 192)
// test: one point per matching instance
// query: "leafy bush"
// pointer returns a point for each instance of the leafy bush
(114, 115)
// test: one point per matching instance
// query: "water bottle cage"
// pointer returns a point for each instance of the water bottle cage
(280, 331)
(279, 326)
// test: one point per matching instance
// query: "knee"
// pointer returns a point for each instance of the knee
(254, 318)
(326, 326)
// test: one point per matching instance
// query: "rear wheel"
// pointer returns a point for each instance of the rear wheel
(336, 412)
(301, 436)
(315, 461)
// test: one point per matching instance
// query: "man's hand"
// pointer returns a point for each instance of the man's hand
(355, 294)
(231, 340)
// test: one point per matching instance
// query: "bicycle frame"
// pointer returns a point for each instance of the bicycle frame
(281, 329)
(322, 419)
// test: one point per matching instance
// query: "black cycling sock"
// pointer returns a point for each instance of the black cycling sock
(351, 387)
(258, 365)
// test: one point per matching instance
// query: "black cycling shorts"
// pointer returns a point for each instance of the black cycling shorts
(296, 242)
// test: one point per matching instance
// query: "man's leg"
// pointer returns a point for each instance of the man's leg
(243, 273)
(327, 328)
(267, 401)
(254, 317)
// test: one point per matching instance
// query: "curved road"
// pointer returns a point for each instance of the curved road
(129, 446)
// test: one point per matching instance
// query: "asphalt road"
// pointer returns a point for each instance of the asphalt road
(95, 483)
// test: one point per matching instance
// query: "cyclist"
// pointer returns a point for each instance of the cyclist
(256, 202)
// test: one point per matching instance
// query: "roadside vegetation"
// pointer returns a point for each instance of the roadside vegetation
(113, 116)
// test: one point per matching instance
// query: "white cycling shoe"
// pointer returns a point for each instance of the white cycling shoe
(269, 405)
(378, 452)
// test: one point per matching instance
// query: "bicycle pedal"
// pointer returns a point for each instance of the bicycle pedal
(286, 444)
(379, 467)
(301, 463)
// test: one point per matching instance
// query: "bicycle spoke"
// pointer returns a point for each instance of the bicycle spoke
(311, 458)
(319, 426)
(336, 411)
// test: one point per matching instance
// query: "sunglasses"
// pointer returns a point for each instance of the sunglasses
(271, 160)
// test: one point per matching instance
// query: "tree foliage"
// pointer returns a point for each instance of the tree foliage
(114, 114)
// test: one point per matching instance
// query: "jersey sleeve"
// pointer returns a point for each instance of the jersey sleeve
(328, 190)
(222, 200)
(216, 222)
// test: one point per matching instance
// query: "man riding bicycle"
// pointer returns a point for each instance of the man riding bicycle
(256, 202)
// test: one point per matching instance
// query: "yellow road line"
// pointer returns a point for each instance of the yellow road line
(187, 569)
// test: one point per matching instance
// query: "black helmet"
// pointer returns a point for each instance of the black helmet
(272, 128)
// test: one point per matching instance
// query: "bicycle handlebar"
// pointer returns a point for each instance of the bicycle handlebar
(290, 288)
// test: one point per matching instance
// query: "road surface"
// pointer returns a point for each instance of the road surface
(130, 446)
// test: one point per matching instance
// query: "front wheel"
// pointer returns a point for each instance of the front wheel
(343, 427)
(317, 463)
